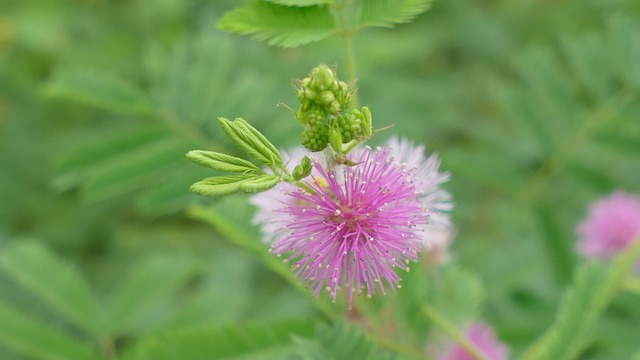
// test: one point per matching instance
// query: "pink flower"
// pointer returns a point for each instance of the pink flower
(484, 339)
(360, 223)
(438, 233)
(611, 225)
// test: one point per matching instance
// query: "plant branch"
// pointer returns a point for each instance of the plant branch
(451, 330)
(238, 237)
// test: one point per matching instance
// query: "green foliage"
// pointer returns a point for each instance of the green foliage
(458, 295)
(99, 90)
(221, 162)
(251, 142)
(53, 281)
(144, 156)
(149, 284)
(256, 341)
(280, 25)
(300, 2)
(592, 291)
(303, 169)
(387, 13)
(533, 110)
(35, 338)
(343, 341)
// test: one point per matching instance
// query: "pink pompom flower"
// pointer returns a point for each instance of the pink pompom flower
(484, 339)
(359, 223)
(611, 225)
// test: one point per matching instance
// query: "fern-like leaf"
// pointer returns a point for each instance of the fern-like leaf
(387, 13)
(593, 289)
(266, 341)
(299, 3)
(341, 342)
(280, 25)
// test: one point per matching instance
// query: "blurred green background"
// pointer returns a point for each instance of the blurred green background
(534, 107)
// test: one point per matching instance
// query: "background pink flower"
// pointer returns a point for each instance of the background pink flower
(483, 337)
(611, 225)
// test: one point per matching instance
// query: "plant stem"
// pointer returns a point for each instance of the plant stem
(451, 330)
(107, 348)
(632, 285)
(238, 237)
(346, 33)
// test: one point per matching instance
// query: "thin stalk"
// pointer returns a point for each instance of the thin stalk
(632, 285)
(350, 60)
(346, 33)
(451, 330)
(107, 349)
(238, 237)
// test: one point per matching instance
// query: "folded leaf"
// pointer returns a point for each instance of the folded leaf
(263, 140)
(262, 183)
(221, 162)
(243, 136)
(220, 185)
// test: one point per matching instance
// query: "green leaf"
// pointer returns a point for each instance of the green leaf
(387, 13)
(141, 167)
(266, 341)
(485, 169)
(458, 294)
(237, 235)
(153, 281)
(246, 127)
(257, 147)
(93, 151)
(221, 162)
(220, 185)
(53, 281)
(344, 341)
(595, 178)
(279, 25)
(593, 289)
(559, 250)
(262, 183)
(99, 90)
(302, 170)
(33, 338)
(300, 3)
(623, 142)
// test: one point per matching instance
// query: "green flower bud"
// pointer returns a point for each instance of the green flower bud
(350, 125)
(322, 77)
(323, 103)
(310, 94)
(302, 170)
(326, 97)
(335, 139)
(315, 138)
(367, 122)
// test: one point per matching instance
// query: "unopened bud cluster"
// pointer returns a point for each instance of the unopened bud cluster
(324, 110)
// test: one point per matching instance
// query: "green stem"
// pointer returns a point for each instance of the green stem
(561, 157)
(236, 236)
(451, 330)
(632, 285)
(346, 33)
(349, 57)
(107, 348)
